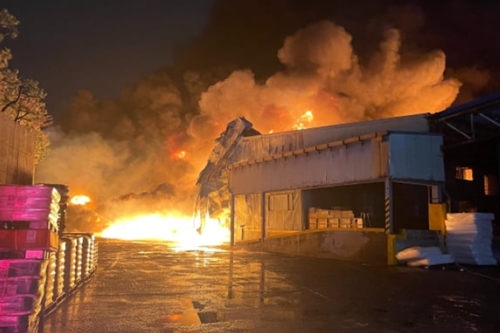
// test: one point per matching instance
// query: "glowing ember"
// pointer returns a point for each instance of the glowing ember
(182, 155)
(79, 200)
(176, 228)
(304, 121)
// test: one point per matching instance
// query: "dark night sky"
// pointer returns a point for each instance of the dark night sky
(164, 76)
(98, 45)
(105, 45)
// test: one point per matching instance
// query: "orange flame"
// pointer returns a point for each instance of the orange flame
(173, 227)
(304, 120)
(79, 200)
(182, 155)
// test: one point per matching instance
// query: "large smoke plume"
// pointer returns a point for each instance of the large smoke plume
(142, 151)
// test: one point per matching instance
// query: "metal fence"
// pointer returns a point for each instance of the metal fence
(17, 147)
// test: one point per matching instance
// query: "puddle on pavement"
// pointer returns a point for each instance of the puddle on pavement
(250, 289)
(458, 308)
(192, 314)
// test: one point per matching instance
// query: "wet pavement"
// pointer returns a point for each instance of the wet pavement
(151, 287)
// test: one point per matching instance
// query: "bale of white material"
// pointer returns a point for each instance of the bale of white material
(469, 237)
(435, 259)
(417, 252)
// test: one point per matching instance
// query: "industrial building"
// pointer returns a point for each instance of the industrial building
(471, 151)
(358, 191)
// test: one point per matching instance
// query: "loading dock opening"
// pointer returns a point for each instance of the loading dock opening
(366, 201)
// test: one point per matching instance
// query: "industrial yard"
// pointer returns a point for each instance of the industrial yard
(146, 287)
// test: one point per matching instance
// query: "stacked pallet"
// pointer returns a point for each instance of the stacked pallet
(80, 260)
(327, 218)
(63, 190)
(28, 242)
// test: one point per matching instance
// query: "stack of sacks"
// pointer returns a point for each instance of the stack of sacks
(424, 256)
(469, 237)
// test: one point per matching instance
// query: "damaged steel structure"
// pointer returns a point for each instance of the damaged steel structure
(365, 182)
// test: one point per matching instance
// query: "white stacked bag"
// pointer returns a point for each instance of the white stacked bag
(469, 237)
(424, 256)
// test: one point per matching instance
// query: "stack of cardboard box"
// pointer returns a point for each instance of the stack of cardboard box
(330, 218)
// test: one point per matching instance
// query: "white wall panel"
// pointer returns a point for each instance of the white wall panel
(416, 157)
(255, 147)
(337, 165)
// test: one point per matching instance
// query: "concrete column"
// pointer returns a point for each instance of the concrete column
(389, 223)
(436, 193)
(231, 227)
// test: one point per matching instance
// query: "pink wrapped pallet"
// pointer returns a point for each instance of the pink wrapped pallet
(27, 321)
(21, 267)
(31, 214)
(17, 303)
(11, 201)
(13, 240)
(28, 191)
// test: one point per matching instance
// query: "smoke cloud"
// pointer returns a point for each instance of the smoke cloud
(142, 152)
(323, 74)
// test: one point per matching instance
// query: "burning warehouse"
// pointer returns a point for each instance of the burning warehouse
(339, 191)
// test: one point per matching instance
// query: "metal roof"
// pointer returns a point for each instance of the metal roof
(476, 104)
(478, 120)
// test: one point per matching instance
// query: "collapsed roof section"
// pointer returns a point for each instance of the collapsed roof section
(213, 196)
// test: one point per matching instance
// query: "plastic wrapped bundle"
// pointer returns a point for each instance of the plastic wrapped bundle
(38, 206)
(51, 279)
(69, 263)
(469, 237)
(88, 252)
(77, 240)
(20, 322)
(95, 256)
(63, 190)
(60, 269)
(424, 256)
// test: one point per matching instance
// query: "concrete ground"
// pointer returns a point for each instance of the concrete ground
(151, 287)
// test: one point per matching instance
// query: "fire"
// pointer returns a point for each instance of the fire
(180, 155)
(173, 227)
(79, 200)
(304, 120)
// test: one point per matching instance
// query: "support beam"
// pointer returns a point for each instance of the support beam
(496, 123)
(263, 217)
(457, 130)
(436, 193)
(231, 227)
(389, 218)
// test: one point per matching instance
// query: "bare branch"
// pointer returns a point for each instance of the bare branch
(9, 104)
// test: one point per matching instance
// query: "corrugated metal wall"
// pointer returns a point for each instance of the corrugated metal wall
(413, 123)
(283, 211)
(248, 216)
(416, 157)
(354, 162)
(261, 146)
(412, 157)
(17, 147)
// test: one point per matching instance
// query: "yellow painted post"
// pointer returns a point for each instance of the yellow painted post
(391, 244)
(437, 216)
